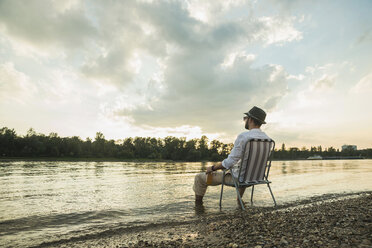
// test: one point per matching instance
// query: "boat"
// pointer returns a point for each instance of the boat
(315, 157)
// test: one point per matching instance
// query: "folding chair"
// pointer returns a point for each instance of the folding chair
(253, 169)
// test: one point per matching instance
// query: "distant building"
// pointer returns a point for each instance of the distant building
(349, 147)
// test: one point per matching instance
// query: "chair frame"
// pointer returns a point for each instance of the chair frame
(238, 184)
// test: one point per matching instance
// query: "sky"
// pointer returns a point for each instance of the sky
(188, 68)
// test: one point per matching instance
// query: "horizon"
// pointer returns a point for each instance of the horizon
(188, 69)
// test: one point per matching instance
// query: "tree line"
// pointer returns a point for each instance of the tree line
(296, 153)
(169, 148)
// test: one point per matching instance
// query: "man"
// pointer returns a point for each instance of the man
(253, 120)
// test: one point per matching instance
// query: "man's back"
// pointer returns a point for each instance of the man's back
(236, 153)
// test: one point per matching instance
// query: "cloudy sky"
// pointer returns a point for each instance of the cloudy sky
(188, 68)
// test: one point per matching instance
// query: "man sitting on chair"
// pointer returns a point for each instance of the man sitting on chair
(253, 120)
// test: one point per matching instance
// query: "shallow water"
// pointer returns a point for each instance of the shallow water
(51, 201)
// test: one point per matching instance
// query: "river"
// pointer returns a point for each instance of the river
(43, 202)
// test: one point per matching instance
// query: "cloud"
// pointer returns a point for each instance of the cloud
(288, 6)
(46, 23)
(364, 86)
(325, 81)
(213, 11)
(365, 37)
(329, 76)
(180, 131)
(200, 93)
(299, 77)
(230, 58)
(14, 85)
(112, 67)
(278, 30)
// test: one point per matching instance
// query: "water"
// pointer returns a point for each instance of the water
(49, 201)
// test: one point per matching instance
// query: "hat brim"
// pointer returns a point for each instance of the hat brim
(252, 116)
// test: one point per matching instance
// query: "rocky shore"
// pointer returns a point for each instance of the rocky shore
(338, 223)
(325, 221)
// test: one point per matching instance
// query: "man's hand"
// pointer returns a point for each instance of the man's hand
(217, 166)
(209, 170)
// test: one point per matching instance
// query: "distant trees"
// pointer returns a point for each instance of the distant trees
(168, 148)
(8, 141)
(303, 153)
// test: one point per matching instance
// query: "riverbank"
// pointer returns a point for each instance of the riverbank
(73, 159)
(325, 221)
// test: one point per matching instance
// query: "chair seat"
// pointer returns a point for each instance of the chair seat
(248, 184)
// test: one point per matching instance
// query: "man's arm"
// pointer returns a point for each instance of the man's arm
(233, 157)
(215, 167)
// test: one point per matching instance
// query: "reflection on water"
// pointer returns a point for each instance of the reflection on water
(284, 168)
(46, 201)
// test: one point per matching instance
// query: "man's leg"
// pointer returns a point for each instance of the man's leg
(200, 184)
(241, 193)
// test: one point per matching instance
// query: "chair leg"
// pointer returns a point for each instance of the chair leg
(252, 194)
(223, 182)
(221, 195)
(272, 195)
(239, 197)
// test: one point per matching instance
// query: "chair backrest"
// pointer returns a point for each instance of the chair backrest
(256, 160)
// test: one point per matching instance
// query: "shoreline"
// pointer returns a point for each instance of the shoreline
(72, 159)
(342, 220)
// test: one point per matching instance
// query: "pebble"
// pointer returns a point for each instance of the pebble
(233, 245)
(366, 242)
(283, 241)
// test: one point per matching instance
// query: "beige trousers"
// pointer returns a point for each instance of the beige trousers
(200, 181)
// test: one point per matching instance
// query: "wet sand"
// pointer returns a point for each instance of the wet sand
(325, 221)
